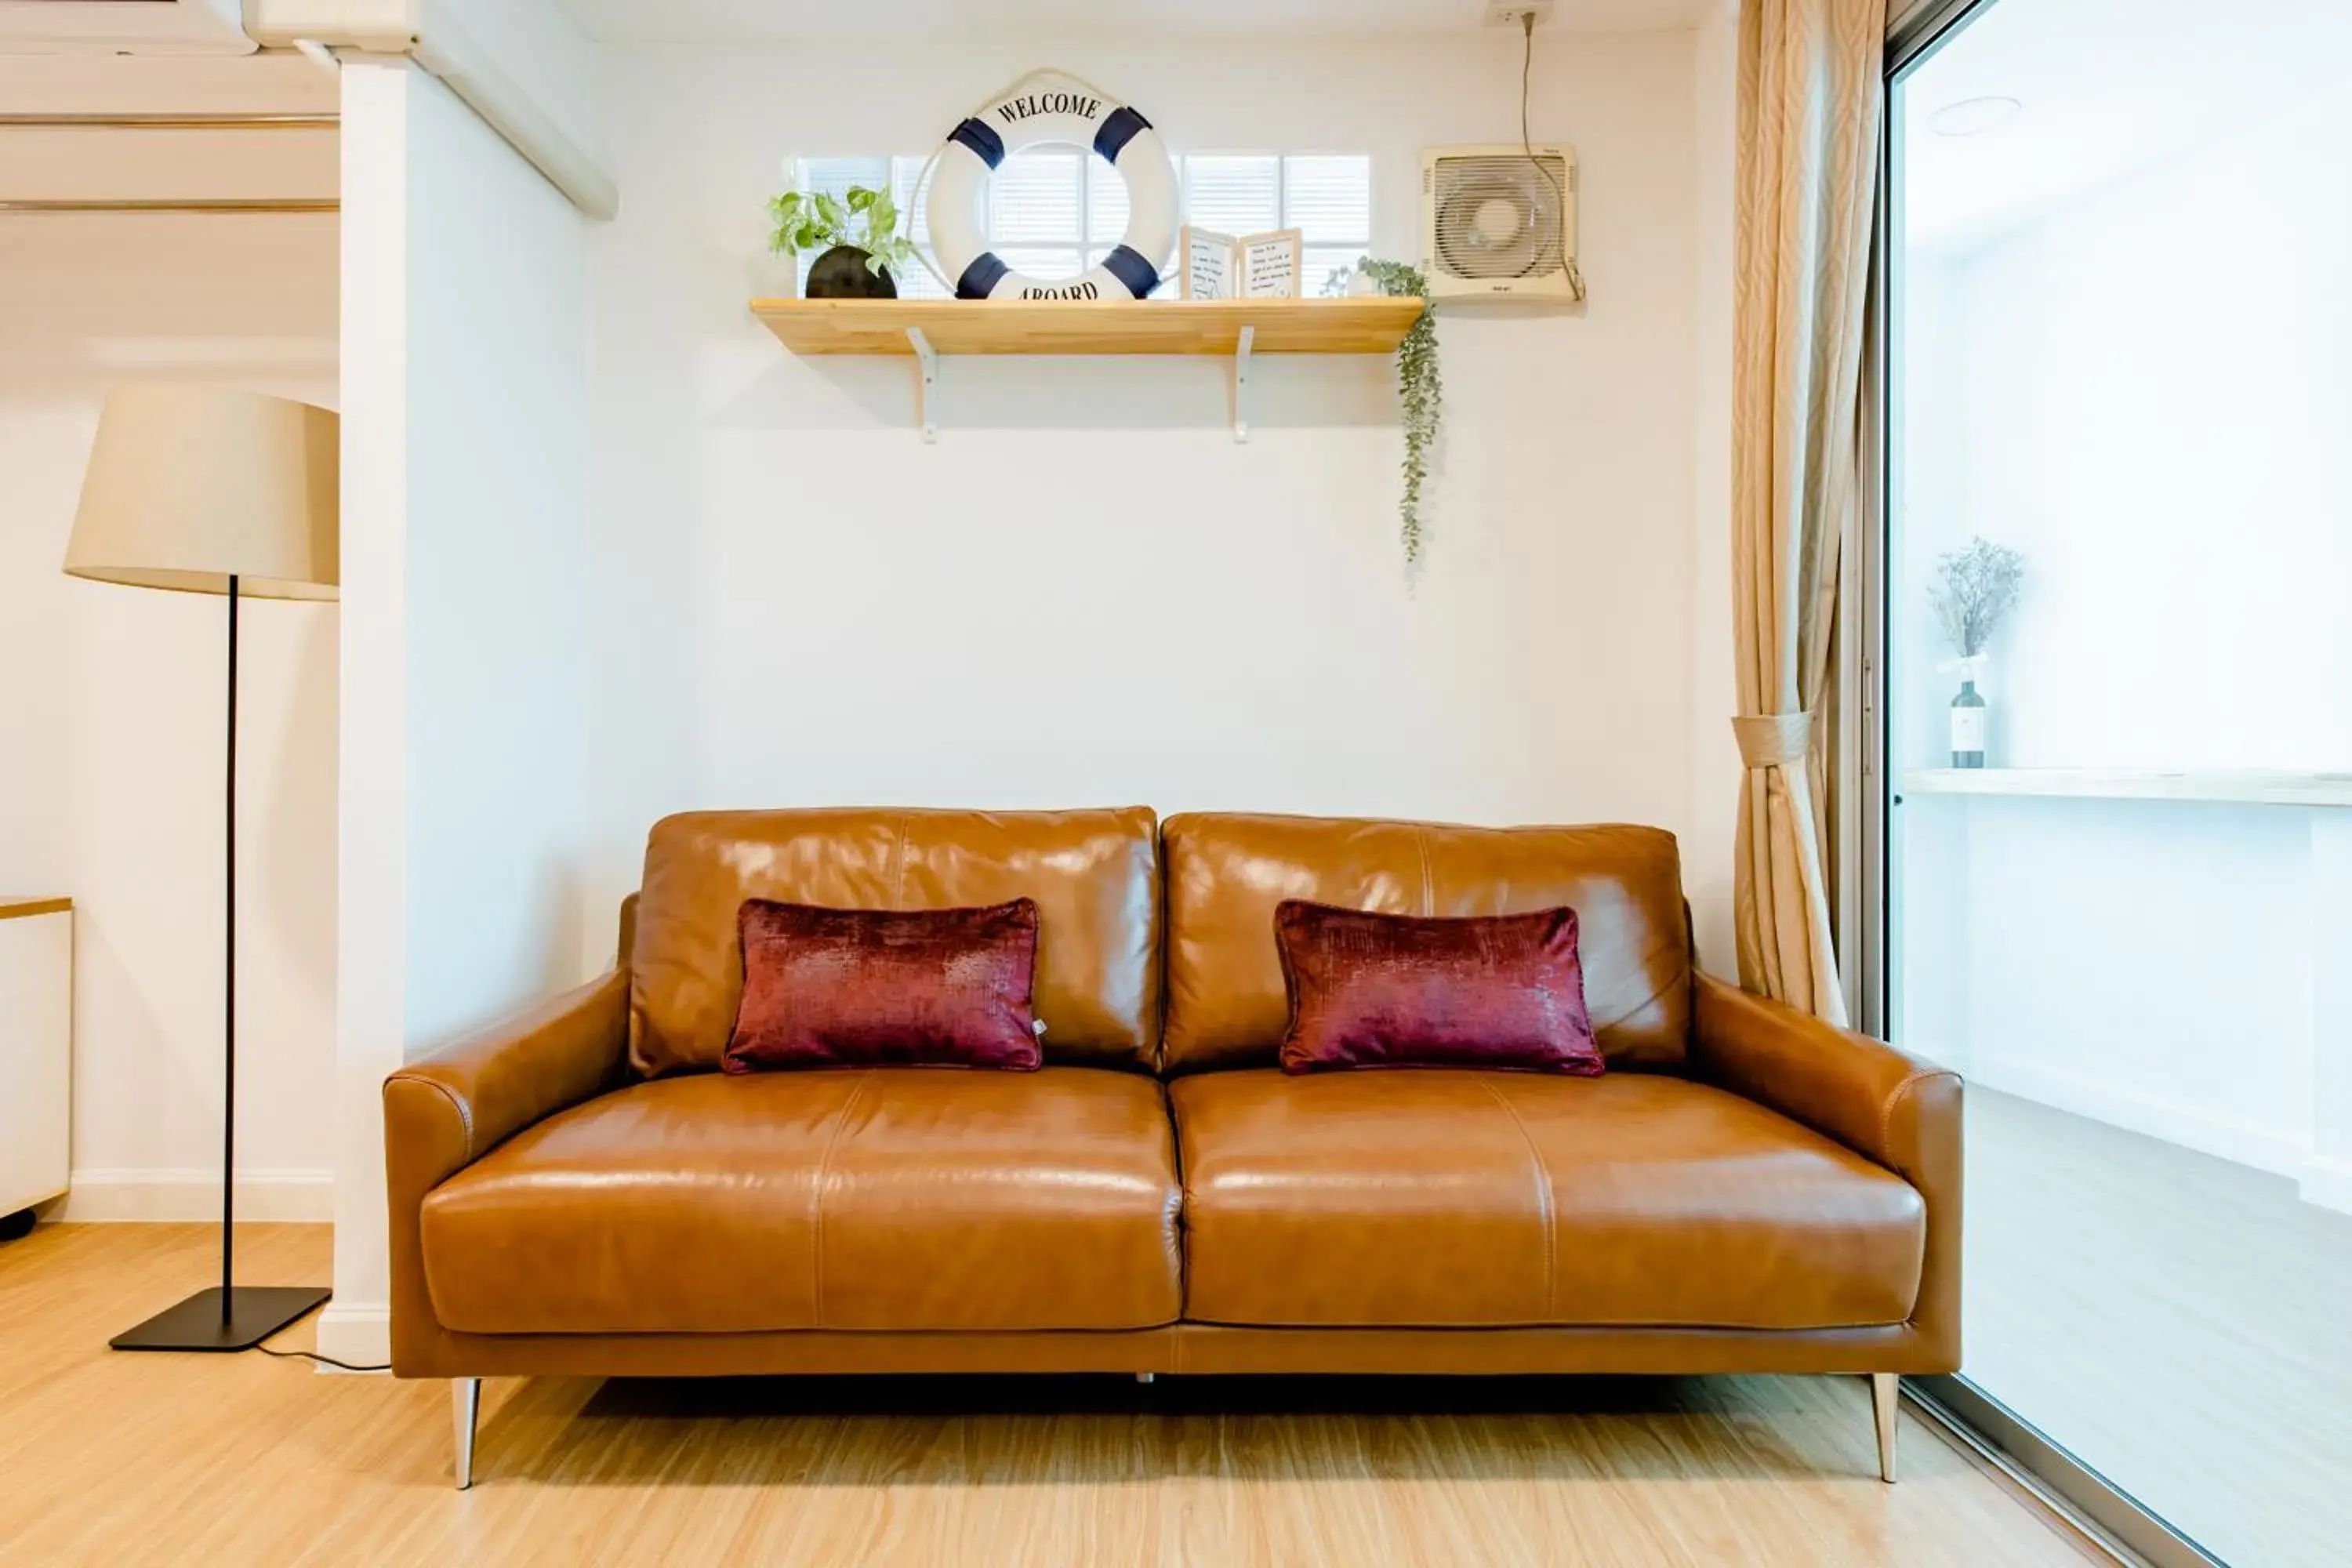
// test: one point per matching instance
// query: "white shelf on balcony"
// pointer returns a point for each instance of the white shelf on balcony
(2238, 787)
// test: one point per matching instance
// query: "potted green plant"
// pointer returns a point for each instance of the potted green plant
(856, 232)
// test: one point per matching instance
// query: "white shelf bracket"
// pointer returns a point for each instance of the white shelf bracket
(926, 380)
(1240, 385)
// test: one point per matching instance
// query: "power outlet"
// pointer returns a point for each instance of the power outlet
(1511, 13)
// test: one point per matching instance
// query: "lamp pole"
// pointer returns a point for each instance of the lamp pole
(243, 1318)
(228, 1020)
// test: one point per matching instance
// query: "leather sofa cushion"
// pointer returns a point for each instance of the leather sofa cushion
(1094, 876)
(1226, 873)
(877, 1199)
(1468, 1198)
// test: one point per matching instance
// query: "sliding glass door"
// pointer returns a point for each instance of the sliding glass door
(2116, 707)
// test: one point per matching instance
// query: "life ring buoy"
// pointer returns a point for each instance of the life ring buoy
(1040, 108)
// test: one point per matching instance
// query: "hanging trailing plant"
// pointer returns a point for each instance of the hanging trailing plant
(1422, 390)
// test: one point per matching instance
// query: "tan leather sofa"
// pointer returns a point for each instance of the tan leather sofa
(1747, 1190)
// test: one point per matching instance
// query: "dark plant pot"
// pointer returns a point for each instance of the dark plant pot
(841, 273)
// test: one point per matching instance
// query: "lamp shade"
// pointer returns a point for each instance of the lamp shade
(189, 486)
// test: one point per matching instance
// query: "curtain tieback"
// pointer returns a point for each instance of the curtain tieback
(1774, 740)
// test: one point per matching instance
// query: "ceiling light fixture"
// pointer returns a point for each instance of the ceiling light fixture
(1974, 116)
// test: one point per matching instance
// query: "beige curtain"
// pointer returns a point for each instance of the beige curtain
(1809, 93)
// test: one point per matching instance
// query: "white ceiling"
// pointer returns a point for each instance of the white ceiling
(91, 164)
(2109, 87)
(787, 21)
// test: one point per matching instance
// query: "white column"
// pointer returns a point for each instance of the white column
(1715, 696)
(370, 1019)
(468, 622)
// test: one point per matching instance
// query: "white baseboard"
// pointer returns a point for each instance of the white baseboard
(102, 1194)
(2328, 1183)
(2223, 1137)
(359, 1332)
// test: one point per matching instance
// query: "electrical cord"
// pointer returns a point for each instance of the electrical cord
(321, 1360)
(1526, 143)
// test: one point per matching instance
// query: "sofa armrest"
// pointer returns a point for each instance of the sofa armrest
(1893, 1109)
(454, 1106)
(443, 1111)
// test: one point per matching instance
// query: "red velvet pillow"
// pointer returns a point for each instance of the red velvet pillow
(1482, 991)
(826, 988)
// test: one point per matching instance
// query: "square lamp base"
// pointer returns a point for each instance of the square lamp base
(255, 1312)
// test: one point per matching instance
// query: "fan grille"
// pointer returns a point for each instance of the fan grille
(1499, 216)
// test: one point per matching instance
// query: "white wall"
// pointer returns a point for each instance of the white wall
(2149, 964)
(469, 625)
(538, 46)
(2145, 395)
(497, 616)
(1087, 593)
(110, 771)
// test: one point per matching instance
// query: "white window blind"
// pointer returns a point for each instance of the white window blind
(1237, 194)
(1054, 212)
(1330, 200)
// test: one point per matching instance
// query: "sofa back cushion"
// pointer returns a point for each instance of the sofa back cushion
(1094, 876)
(1226, 873)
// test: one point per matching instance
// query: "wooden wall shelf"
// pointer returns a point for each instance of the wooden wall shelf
(1059, 327)
(1224, 328)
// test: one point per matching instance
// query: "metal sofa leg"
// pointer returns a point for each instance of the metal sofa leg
(1884, 1390)
(1143, 1377)
(465, 1407)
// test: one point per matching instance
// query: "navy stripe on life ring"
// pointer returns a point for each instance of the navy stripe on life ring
(981, 279)
(1118, 127)
(1126, 264)
(983, 139)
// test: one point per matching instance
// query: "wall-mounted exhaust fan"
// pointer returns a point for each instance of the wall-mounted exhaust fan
(1498, 223)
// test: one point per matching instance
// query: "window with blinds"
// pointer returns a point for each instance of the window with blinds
(1054, 212)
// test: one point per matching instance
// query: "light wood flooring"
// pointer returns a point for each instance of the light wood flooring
(126, 1459)
(2181, 1323)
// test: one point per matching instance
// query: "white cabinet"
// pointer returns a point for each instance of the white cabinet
(36, 1051)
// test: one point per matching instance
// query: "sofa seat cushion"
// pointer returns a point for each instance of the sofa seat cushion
(1455, 1197)
(906, 1198)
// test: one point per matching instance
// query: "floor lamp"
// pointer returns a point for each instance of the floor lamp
(202, 489)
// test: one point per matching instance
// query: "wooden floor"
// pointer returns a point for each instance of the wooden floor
(2181, 1324)
(124, 1459)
